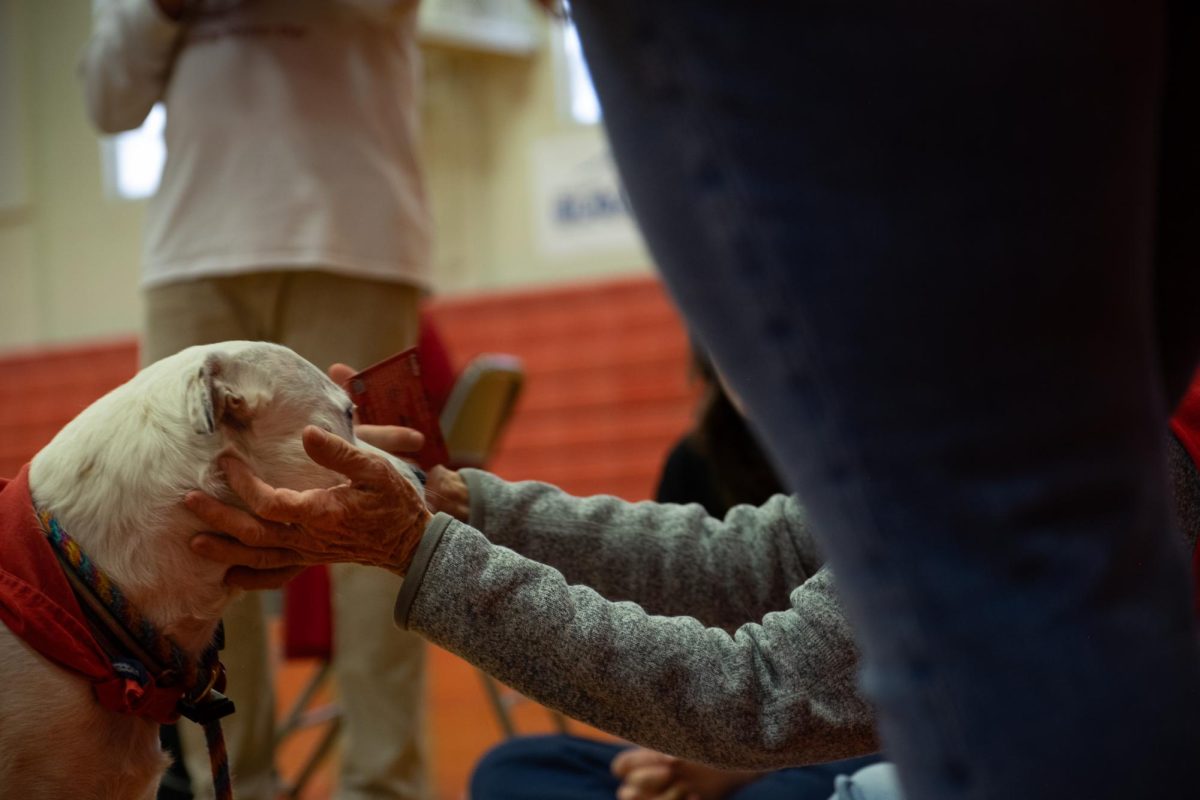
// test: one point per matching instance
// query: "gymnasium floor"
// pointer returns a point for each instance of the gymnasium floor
(462, 726)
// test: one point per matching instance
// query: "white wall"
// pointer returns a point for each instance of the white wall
(69, 256)
(14, 187)
(16, 242)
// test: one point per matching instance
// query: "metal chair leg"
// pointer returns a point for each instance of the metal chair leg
(501, 700)
(498, 705)
(292, 791)
(300, 716)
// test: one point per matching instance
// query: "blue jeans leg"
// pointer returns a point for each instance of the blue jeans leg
(927, 244)
(546, 768)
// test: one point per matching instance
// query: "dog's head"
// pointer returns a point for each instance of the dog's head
(115, 475)
(253, 399)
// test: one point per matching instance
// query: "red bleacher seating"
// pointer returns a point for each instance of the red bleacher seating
(606, 390)
(42, 390)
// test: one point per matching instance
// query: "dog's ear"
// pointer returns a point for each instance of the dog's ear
(199, 397)
(212, 402)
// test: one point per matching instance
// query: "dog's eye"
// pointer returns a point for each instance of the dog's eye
(350, 413)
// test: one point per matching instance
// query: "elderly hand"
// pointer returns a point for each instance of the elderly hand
(400, 442)
(376, 518)
(650, 775)
(445, 490)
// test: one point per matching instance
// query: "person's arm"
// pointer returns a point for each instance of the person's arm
(671, 559)
(776, 693)
(127, 62)
(779, 691)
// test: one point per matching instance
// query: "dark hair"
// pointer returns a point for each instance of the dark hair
(740, 469)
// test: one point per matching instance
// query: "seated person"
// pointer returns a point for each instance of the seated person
(532, 600)
(717, 464)
(601, 608)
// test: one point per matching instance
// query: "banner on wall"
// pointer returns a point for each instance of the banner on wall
(579, 205)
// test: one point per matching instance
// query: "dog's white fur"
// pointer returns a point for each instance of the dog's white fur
(114, 477)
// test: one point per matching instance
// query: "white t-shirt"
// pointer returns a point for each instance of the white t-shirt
(291, 134)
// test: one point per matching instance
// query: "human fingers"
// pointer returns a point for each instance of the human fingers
(627, 760)
(392, 439)
(677, 791)
(231, 551)
(445, 490)
(279, 505)
(335, 453)
(651, 782)
(650, 779)
(241, 525)
(249, 578)
(340, 373)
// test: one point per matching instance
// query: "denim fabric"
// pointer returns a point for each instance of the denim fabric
(946, 254)
(574, 768)
(876, 782)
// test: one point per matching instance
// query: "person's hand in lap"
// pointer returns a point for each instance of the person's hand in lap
(376, 518)
(651, 775)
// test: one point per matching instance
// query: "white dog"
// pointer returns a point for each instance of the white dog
(114, 478)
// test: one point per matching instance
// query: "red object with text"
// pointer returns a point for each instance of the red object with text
(392, 393)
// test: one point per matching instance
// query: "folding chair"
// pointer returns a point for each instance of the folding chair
(479, 406)
(308, 633)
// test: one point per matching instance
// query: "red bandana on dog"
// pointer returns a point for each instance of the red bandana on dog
(37, 604)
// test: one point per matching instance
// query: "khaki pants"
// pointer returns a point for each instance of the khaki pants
(379, 670)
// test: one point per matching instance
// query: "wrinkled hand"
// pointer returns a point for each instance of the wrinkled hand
(376, 518)
(650, 775)
(400, 442)
(445, 490)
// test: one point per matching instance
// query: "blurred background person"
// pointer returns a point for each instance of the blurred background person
(718, 463)
(291, 209)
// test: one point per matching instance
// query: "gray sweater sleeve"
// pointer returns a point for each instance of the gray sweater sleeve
(670, 559)
(778, 691)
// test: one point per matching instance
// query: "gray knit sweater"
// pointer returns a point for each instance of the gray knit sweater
(716, 640)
